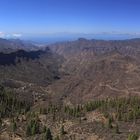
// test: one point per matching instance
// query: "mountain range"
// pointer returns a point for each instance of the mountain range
(81, 70)
(73, 90)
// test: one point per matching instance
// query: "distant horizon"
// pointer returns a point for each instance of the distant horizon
(62, 37)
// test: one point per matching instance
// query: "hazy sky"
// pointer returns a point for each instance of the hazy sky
(69, 16)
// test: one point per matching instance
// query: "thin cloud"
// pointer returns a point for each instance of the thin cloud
(16, 35)
(2, 34)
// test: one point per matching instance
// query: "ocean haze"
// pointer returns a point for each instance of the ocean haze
(62, 37)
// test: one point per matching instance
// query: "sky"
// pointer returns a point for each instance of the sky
(59, 18)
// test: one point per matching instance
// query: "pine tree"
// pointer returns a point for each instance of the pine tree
(33, 129)
(133, 136)
(0, 122)
(48, 135)
(117, 129)
(109, 123)
(57, 138)
(14, 126)
(62, 130)
(28, 131)
(44, 129)
(36, 127)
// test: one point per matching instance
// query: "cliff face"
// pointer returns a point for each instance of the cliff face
(15, 57)
(40, 67)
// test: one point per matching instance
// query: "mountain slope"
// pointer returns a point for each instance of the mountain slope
(80, 70)
(97, 69)
(40, 67)
(10, 45)
(68, 88)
